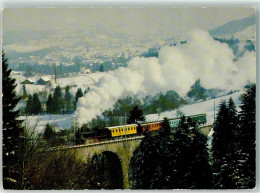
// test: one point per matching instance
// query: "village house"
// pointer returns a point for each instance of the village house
(43, 81)
(27, 81)
(85, 70)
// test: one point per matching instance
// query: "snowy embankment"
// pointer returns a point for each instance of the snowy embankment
(65, 121)
(197, 108)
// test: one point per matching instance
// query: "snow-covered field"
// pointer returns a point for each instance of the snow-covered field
(83, 81)
(38, 123)
(65, 121)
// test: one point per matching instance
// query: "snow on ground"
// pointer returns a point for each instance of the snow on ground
(249, 33)
(197, 108)
(83, 81)
(38, 123)
(65, 121)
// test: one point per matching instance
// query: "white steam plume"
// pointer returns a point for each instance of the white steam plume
(176, 68)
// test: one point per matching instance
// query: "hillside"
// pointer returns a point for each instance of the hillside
(65, 121)
(233, 27)
(249, 33)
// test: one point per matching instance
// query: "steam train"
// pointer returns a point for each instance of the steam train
(134, 129)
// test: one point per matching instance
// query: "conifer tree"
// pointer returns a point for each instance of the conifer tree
(37, 107)
(101, 68)
(226, 161)
(79, 94)
(248, 136)
(57, 100)
(48, 132)
(136, 114)
(145, 162)
(190, 166)
(11, 129)
(233, 122)
(201, 171)
(162, 177)
(181, 177)
(165, 128)
(68, 99)
(50, 104)
(29, 105)
(221, 135)
(24, 92)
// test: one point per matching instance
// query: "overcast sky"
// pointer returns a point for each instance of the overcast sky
(136, 21)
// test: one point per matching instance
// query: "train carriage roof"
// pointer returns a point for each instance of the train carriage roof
(152, 122)
(197, 115)
(121, 126)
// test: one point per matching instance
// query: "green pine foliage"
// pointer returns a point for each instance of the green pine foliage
(68, 99)
(221, 135)
(136, 115)
(172, 159)
(197, 92)
(50, 104)
(79, 94)
(162, 177)
(165, 129)
(101, 68)
(201, 171)
(191, 165)
(58, 100)
(37, 107)
(57, 103)
(25, 95)
(11, 129)
(233, 144)
(33, 105)
(145, 161)
(29, 105)
(247, 119)
(48, 132)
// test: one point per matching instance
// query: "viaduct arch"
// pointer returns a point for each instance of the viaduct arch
(122, 148)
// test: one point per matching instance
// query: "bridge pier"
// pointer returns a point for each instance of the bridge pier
(125, 167)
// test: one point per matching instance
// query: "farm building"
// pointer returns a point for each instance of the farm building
(27, 81)
(43, 81)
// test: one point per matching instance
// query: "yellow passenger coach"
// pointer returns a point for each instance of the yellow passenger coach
(120, 130)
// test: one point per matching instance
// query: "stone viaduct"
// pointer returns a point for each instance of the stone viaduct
(122, 149)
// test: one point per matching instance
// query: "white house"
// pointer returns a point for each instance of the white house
(85, 70)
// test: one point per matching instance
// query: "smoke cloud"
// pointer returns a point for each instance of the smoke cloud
(176, 68)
